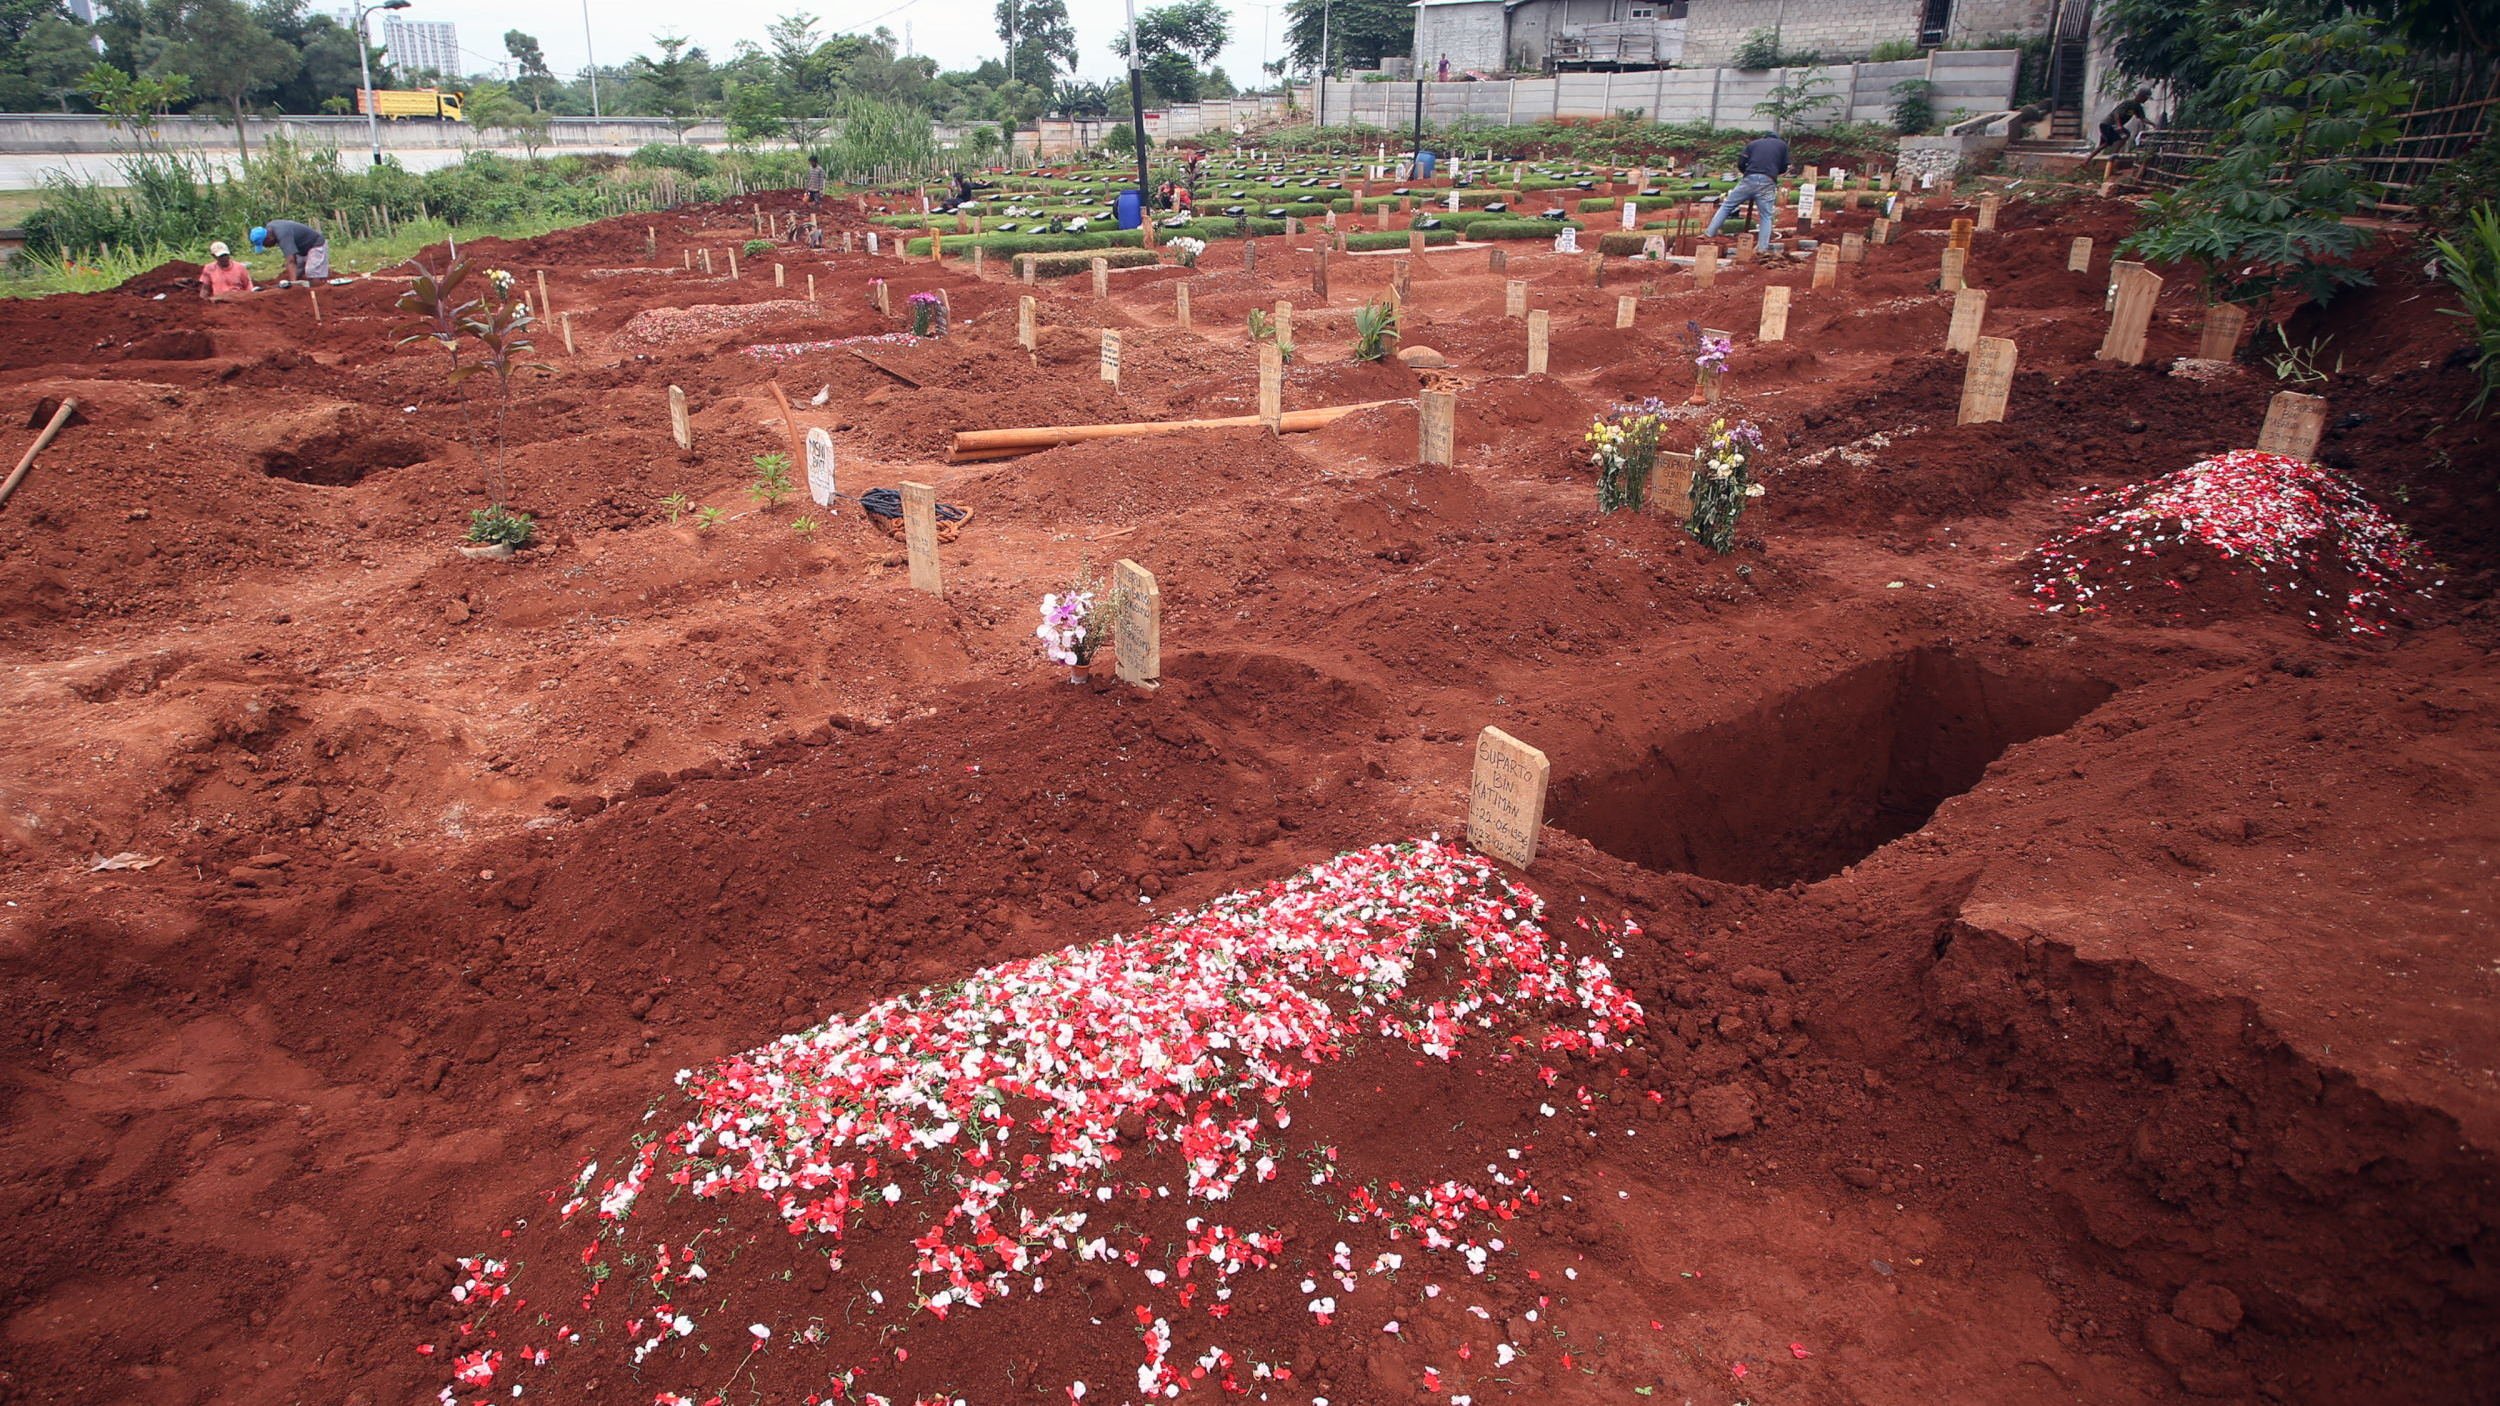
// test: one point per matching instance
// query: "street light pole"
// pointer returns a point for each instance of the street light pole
(594, 59)
(364, 67)
(1137, 109)
(1319, 90)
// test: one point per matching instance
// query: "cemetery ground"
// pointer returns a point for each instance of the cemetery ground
(2032, 1007)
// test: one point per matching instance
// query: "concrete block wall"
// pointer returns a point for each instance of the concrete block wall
(1471, 34)
(1715, 29)
(1973, 21)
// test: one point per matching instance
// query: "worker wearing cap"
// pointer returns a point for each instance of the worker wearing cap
(307, 250)
(222, 274)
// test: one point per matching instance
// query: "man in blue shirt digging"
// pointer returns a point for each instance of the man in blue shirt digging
(1758, 174)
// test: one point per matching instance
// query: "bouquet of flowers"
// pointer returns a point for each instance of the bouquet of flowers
(1185, 251)
(1711, 350)
(928, 315)
(1623, 444)
(1723, 482)
(1076, 620)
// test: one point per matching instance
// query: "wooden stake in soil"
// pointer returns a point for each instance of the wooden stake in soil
(2139, 289)
(1597, 270)
(1970, 309)
(1401, 282)
(1284, 323)
(316, 302)
(1705, 266)
(1774, 315)
(1540, 337)
(920, 538)
(1959, 237)
(1437, 427)
(978, 258)
(1853, 248)
(1883, 231)
(2079, 255)
(821, 484)
(1137, 635)
(780, 280)
(1102, 277)
(1626, 308)
(564, 320)
(1515, 298)
(1250, 257)
(1272, 387)
(811, 287)
(1319, 274)
(885, 298)
(2220, 340)
(2293, 424)
(733, 262)
(1987, 381)
(546, 305)
(707, 263)
(680, 424)
(1111, 357)
(1826, 266)
(1497, 260)
(26, 464)
(1988, 211)
(1506, 797)
(1949, 279)
(1414, 241)
(1180, 306)
(1024, 322)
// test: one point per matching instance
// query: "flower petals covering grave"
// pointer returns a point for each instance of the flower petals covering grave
(1094, 1111)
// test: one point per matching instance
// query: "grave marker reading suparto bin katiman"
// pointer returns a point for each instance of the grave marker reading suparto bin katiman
(1506, 797)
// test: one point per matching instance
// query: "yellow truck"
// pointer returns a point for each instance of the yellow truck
(396, 103)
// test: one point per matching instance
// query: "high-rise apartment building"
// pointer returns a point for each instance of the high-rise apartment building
(418, 46)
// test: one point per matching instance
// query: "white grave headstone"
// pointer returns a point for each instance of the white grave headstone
(820, 478)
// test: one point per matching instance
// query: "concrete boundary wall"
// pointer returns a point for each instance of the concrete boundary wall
(1980, 80)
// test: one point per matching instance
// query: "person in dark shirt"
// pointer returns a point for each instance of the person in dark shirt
(1758, 173)
(2114, 126)
(307, 250)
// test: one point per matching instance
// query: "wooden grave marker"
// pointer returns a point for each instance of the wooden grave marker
(1853, 248)
(680, 424)
(546, 305)
(1436, 423)
(2220, 340)
(1137, 635)
(821, 484)
(1506, 797)
(1826, 266)
(811, 287)
(1705, 266)
(564, 321)
(2293, 424)
(1986, 382)
(1319, 273)
(1988, 211)
(1949, 277)
(1626, 308)
(707, 262)
(1025, 332)
(1102, 277)
(2139, 288)
(1180, 305)
(1959, 237)
(1882, 231)
(1271, 387)
(1284, 323)
(1774, 315)
(780, 280)
(733, 261)
(1111, 357)
(2079, 255)
(1970, 309)
(1540, 340)
(1497, 259)
(920, 537)
(1515, 298)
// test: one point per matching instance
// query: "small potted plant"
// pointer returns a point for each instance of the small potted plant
(496, 532)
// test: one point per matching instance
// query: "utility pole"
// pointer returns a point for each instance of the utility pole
(1137, 109)
(594, 59)
(1319, 88)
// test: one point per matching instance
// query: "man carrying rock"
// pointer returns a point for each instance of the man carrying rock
(1758, 173)
(307, 250)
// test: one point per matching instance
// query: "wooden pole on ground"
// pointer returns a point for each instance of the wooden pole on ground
(680, 424)
(26, 463)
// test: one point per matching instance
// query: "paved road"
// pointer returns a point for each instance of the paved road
(23, 171)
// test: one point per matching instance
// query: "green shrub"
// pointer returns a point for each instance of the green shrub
(499, 526)
(1519, 229)
(1626, 243)
(2472, 266)
(668, 156)
(1394, 239)
(1069, 264)
(1639, 202)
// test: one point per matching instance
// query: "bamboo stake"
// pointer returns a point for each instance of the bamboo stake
(1005, 444)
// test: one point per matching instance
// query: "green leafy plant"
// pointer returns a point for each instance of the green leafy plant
(1913, 106)
(1263, 329)
(674, 505)
(498, 526)
(754, 247)
(1788, 102)
(772, 479)
(1760, 50)
(2472, 266)
(2295, 106)
(705, 519)
(804, 526)
(1375, 325)
(2298, 364)
(1893, 51)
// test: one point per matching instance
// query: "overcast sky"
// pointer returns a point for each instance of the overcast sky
(957, 33)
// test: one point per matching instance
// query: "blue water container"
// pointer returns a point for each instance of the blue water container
(1129, 211)
(1423, 165)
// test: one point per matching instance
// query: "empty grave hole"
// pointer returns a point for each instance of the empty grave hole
(1816, 780)
(341, 459)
